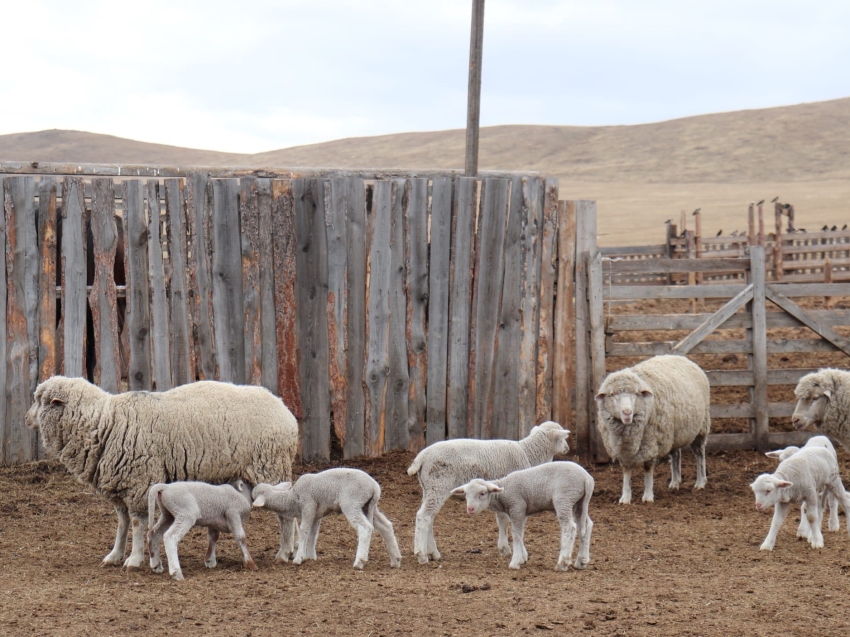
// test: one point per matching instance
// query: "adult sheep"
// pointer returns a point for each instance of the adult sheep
(823, 400)
(121, 444)
(652, 410)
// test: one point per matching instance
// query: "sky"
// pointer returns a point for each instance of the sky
(261, 75)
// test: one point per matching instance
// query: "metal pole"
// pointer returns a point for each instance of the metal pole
(473, 104)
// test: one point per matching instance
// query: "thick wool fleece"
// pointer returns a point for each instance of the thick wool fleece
(835, 420)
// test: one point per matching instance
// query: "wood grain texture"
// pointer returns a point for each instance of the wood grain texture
(181, 324)
(73, 258)
(161, 339)
(565, 374)
(198, 214)
(759, 356)
(4, 425)
(417, 285)
(286, 300)
(719, 318)
(48, 359)
(585, 405)
(136, 265)
(532, 200)
(249, 221)
(548, 269)
(103, 299)
(336, 200)
(268, 331)
(438, 310)
(460, 308)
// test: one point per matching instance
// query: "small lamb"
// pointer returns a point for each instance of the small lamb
(800, 478)
(223, 507)
(781, 454)
(562, 487)
(352, 492)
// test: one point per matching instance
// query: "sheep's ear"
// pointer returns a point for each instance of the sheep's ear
(783, 484)
(774, 454)
(282, 486)
(600, 397)
(494, 488)
(827, 393)
(459, 492)
(645, 393)
(57, 402)
(260, 501)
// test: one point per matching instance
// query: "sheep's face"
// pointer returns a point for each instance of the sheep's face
(769, 490)
(477, 493)
(812, 401)
(46, 412)
(263, 490)
(623, 405)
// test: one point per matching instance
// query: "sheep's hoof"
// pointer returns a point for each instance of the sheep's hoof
(505, 551)
(132, 568)
(396, 563)
(211, 564)
(514, 566)
(625, 500)
(562, 566)
(178, 576)
(766, 547)
(359, 564)
(283, 556)
(422, 558)
(111, 561)
(157, 569)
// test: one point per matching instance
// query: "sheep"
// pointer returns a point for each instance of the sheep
(122, 444)
(652, 410)
(823, 400)
(443, 465)
(183, 505)
(562, 487)
(800, 478)
(352, 492)
(781, 454)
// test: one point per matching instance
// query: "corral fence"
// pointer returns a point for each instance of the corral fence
(387, 309)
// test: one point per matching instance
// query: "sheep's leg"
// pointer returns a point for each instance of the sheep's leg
(139, 524)
(520, 555)
(314, 538)
(116, 555)
(503, 520)
(648, 478)
(583, 557)
(832, 502)
(804, 530)
(626, 497)
(178, 530)
(212, 538)
(234, 523)
(155, 537)
(780, 510)
(424, 544)
(304, 540)
(288, 539)
(385, 528)
(568, 538)
(675, 469)
(361, 524)
(814, 515)
(698, 447)
(835, 488)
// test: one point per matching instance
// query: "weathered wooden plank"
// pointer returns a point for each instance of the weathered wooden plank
(337, 227)
(624, 292)
(532, 199)
(549, 261)
(639, 322)
(774, 410)
(312, 300)
(759, 334)
(730, 346)
(616, 266)
(778, 440)
(626, 251)
(379, 234)
(137, 267)
(102, 299)
(285, 296)
(841, 342)
(438, 309)
(176, 227)
(160, 336)
(460, 308)
(198, 215)
(4, 424)
(487, 303)
(745, 378)
(73, 257)
(597, 326)
(268, 331)
(227, 290)
(811, 289)
(21, 267)
(47, 346)
(715, 321)
(398, 394)
(505, 410)
(585, 389)
(249, 222)
(416, 284)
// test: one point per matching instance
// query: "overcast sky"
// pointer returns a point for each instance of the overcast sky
(261, 75)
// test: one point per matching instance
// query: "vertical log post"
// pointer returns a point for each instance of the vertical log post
(777, 244)
(473, 108)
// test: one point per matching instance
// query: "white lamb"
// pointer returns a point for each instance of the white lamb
(443, 465)
(781, 454)
(184, 505)
(352, 492)
(800, 478)
(562, 487)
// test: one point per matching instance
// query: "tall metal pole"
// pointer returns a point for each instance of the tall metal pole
(473, 104)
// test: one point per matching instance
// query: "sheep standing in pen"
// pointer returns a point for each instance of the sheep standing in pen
(182, 505)
(823, 400)
(562, 487)
(352, 492)
(781, 454)
(650, 411)
(443, 465)
(122, 444)
(800, 478)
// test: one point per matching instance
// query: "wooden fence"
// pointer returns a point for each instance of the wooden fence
(387, 310)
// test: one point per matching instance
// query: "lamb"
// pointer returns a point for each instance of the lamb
(562, 487)
(183, 505)
(443, 465)
(122, 444)
(652, 410)
(800, 478)
(823, 400)
(781, 454)
(352, 492)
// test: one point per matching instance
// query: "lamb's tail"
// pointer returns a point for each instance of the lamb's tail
(414, 468)
(154, 496)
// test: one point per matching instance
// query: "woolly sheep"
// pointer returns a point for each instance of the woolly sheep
(800, 478)
(352, 492)
(823, 400)
(781, 454)
(121, 444)
(182, 505)
(652, 410)
(562, 487)
(443, 465)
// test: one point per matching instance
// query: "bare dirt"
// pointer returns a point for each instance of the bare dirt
(687, 565)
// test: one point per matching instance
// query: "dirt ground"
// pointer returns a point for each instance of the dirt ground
(687, 565)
